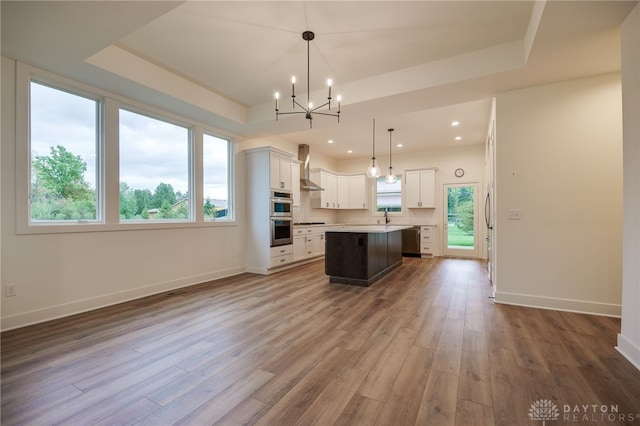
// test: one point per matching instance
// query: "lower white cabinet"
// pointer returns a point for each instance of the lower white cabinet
(308, 242)
(318, 244)
(427, 240)
(281, 255)
(299, 247)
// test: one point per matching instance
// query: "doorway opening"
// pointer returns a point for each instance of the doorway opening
(461, 221)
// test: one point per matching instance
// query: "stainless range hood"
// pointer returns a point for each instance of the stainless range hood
(305, 182)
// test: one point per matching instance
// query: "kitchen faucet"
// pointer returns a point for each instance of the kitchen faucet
(386, 217)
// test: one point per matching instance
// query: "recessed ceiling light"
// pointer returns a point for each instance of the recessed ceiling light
(458, 138)
(349, 152)
(399, 145)
(330, 141)
(455, 123)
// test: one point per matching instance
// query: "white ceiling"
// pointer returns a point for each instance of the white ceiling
(414, 66)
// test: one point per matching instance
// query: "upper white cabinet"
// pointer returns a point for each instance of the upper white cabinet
(340, 191)
(327, 199)
(280, 172)
(358, 192)
(420, 189)
(295, 182)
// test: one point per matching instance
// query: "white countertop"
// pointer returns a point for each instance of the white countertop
(368, 229)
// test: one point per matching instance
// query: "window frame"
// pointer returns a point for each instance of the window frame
(401, 180)
(99, 141)
(190, 163)
(108, 176)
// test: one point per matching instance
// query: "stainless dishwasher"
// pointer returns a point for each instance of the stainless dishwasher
(411, 241)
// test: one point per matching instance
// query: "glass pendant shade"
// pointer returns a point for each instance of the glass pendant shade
(373, 171)
(391, 178)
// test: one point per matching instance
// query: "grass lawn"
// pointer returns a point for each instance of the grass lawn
(458, 238)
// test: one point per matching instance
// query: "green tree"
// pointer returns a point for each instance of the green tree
(58, 188)
(209, 209)
(128, 204)
(465, 216)
(144, 198)
(164, 194)
(61, 175)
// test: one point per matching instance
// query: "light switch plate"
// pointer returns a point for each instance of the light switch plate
(513, 214)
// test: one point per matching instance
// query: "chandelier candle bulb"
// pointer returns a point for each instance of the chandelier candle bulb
(293, 86)
(329, 82)
(277, 97)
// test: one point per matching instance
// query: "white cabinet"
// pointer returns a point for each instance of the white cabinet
(318, 244)
(420, 189)
(342, 198)
(326, 199)
(264, 165)
(279, 172)
(308, 242)
(295, 182)
(299, 247)
(427, 240)
(340, 191)
(358, 192)
(281, 255)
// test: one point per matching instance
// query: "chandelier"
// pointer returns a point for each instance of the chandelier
(308, 110)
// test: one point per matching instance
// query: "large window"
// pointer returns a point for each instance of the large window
(89, 160)
(64, 130)
(154, 168)
(215, 171)
(389, 196)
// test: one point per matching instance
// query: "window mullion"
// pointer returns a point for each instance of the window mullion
(197, 187)
(111, 161)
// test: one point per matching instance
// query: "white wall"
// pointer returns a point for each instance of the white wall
(629, 337)
(559, 160)
(62, 274)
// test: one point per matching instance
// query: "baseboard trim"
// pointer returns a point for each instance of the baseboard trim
(629, 350)
(72, 308)
(557, 304)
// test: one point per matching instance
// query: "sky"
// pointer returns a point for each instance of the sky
(151, 151)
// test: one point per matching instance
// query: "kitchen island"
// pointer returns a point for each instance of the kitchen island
(361, 255)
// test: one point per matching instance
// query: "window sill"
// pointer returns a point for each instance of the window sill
(63, 228)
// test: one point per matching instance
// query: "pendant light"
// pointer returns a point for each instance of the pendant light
(373, 171)
(391, 178)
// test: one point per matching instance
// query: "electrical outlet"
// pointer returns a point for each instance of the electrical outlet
(10, 290)
(513, 214)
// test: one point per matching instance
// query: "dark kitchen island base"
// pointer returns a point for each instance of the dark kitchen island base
(361, 258)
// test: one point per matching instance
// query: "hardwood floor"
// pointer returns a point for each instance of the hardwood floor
(424, 345)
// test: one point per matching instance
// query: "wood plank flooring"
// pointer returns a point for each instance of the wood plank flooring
(425, 345)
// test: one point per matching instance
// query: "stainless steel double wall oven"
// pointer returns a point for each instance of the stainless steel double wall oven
(281, 218)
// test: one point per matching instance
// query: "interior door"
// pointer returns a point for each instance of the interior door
(461, 230)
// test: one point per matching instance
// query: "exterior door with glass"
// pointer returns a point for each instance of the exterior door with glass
(461, 236)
